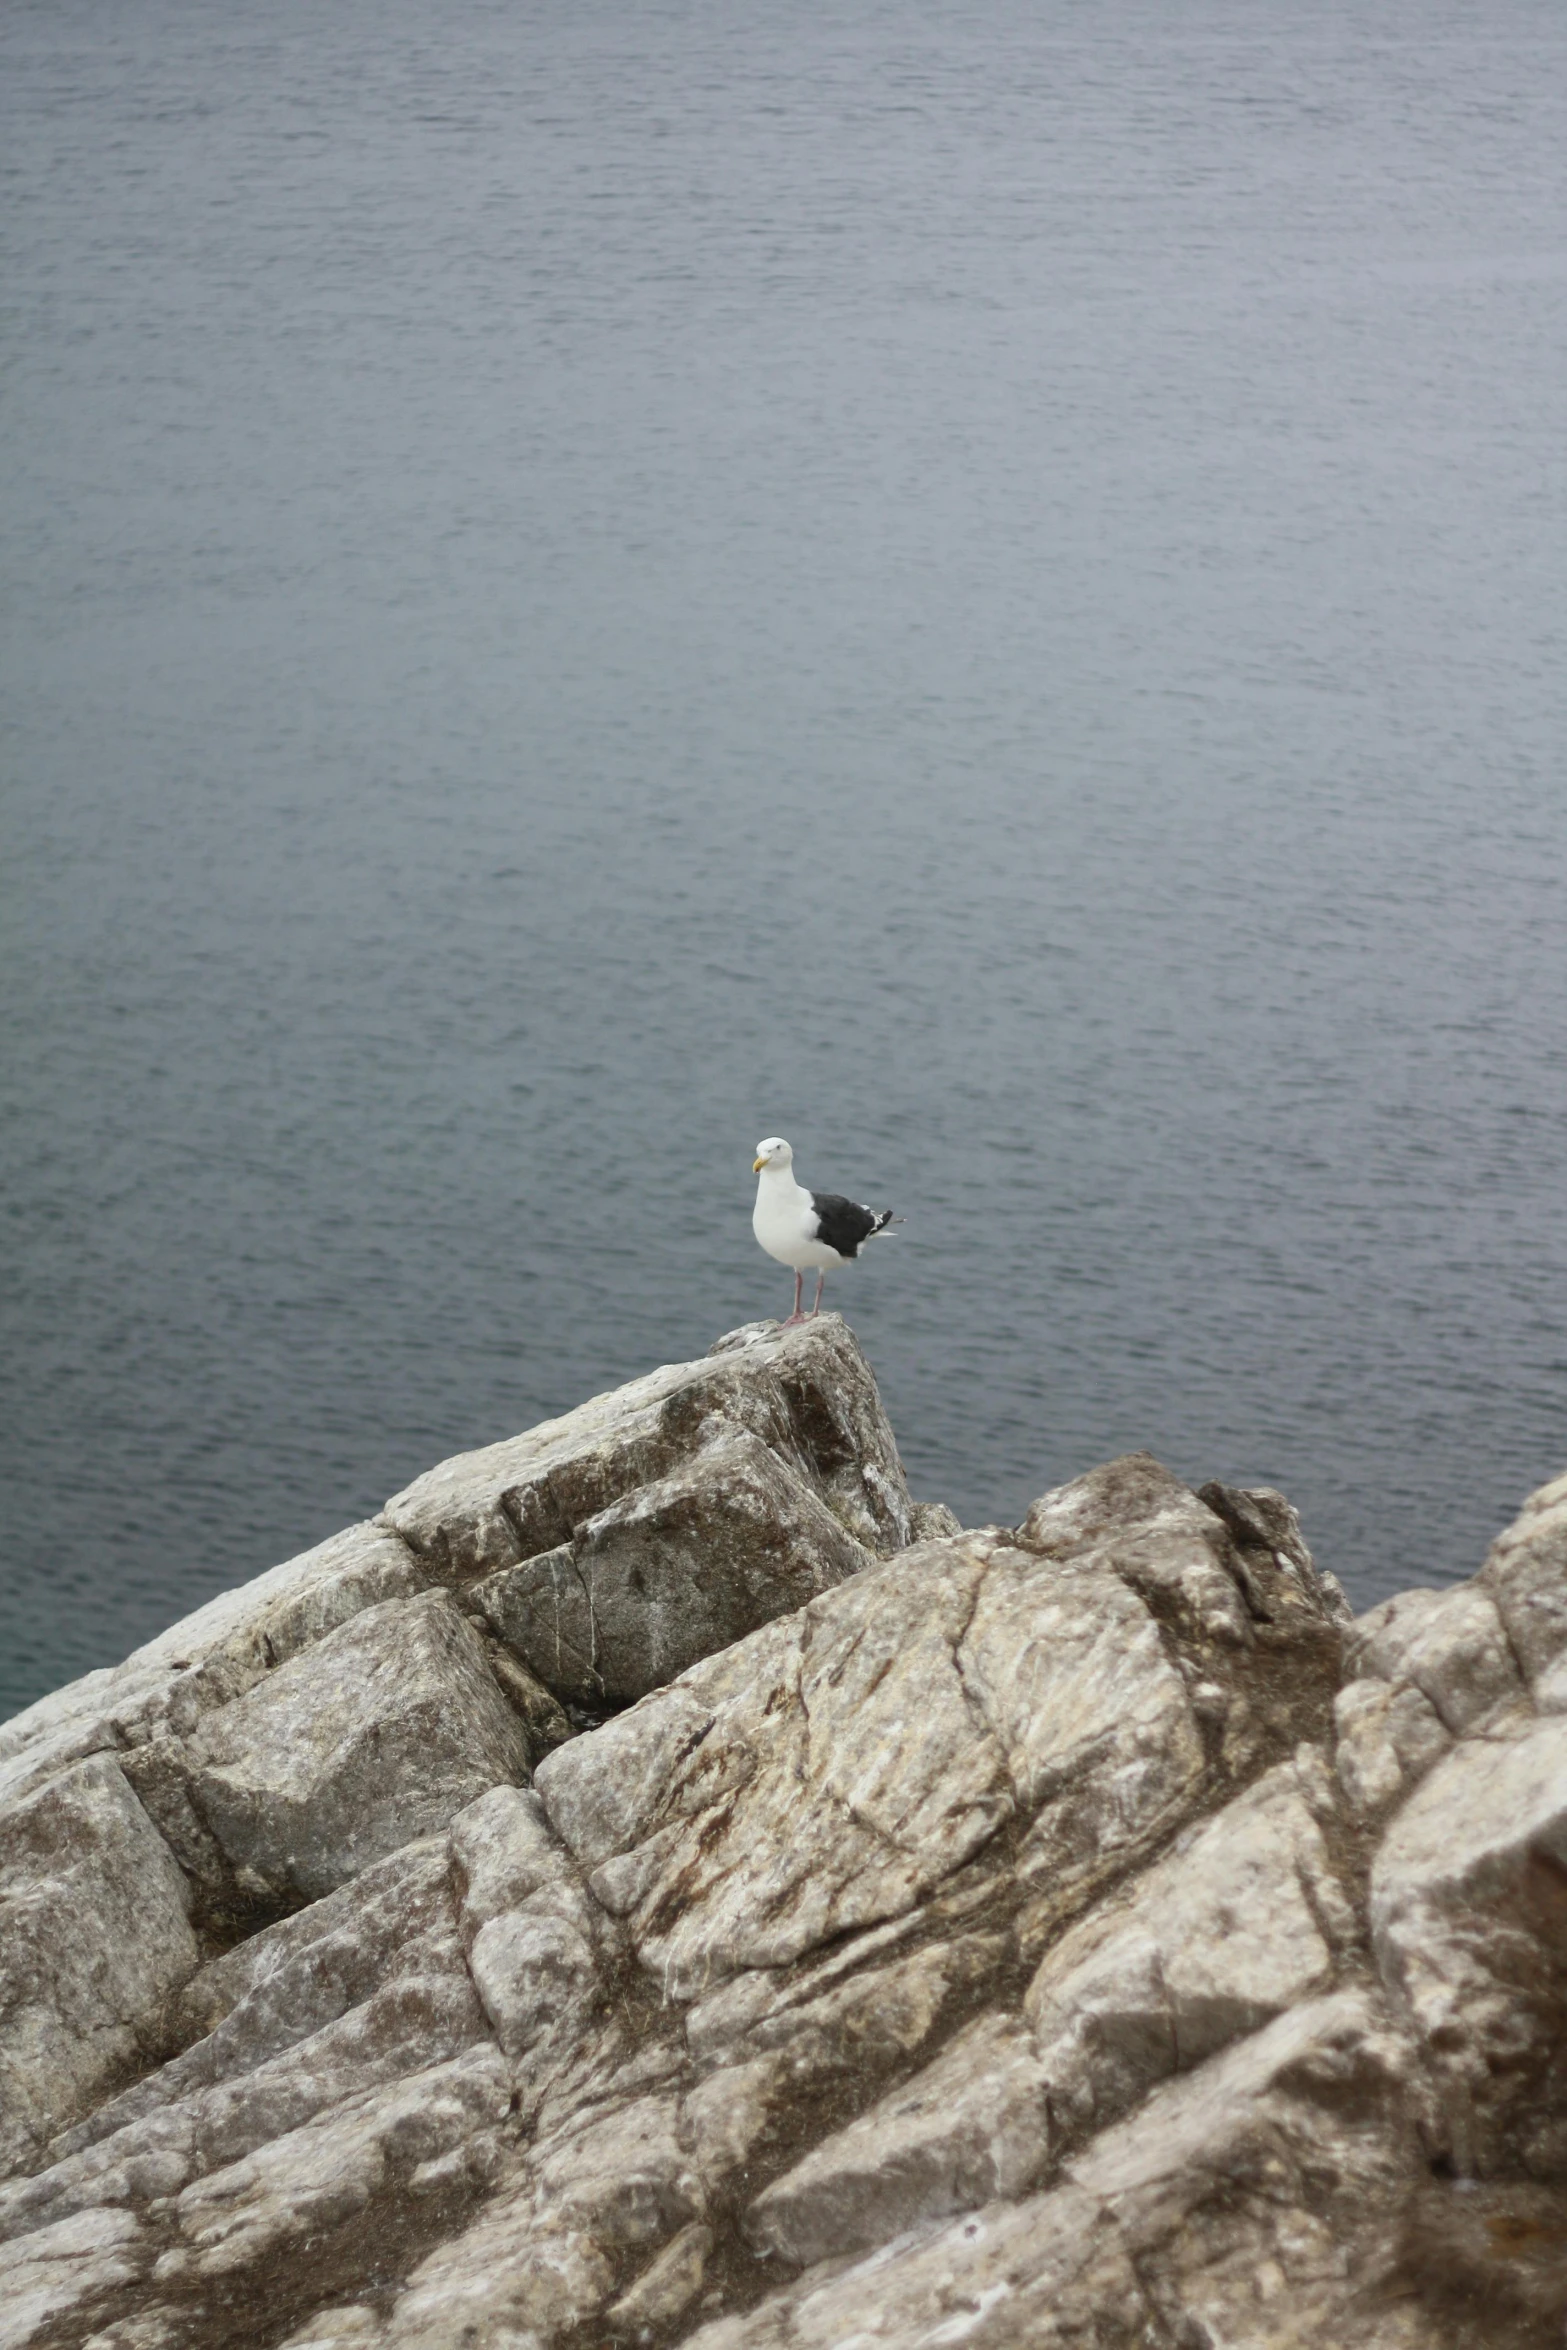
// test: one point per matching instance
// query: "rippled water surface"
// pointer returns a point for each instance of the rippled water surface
(981, 587)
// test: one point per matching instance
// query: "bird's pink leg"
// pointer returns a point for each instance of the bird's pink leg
(796, 1316)
(820, 1278)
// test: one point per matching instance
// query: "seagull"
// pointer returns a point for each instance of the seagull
(814, 1229)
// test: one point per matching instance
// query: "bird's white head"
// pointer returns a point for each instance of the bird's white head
(774, 1152)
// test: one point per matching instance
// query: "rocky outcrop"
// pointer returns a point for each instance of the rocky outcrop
(658, 1885)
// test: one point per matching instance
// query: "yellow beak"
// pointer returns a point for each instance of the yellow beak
(757, 1165)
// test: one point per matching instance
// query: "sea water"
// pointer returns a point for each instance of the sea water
(977, 586)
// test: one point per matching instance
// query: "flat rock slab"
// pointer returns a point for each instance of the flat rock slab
(95, 1940)
(1525, 1572)
(807, 1394)
(972, 2126)
(1244, 1919)
(1469, 1920)
(1291, 2149)
(674, 1570)
(374, 1736)
(208, 1659)
(834, 1768)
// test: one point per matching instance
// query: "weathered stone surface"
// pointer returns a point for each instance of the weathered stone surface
(972, 2126)
(512, 2278)
(821, 1775)
(599, 2193)
(1469, 1916)
(375, 1735)
(932, 1521)
(766, 2046)
(625, 2177)
(283, 1987)
(1050, 2272)
(1451, 1646)
(667, 2286)
(57, 2276)
(1387, 1738)
(1076, 1937)
(535, 1974)
(1161, 1538)
(211, 1657)
(95, 1940)
(1262, 1524)
(545, 1722)
(133, 2166)
(533, 1936)
(1218, 1562)
(869, 2002)
(1243, 1920)
(1525, 1572)
(807, 1394)
(504, 1851)
(1213, 1943)
(348, 2327)
(1277, 2174)
(307, 2183)
(1278, 2160)
(672, 1571)
(396, 2034)
(348, 1995)
(1257, 1632)
(1103, 1749)
(834, 1768)
(398, 1917)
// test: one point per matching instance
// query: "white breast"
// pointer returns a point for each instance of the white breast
(784, 1222)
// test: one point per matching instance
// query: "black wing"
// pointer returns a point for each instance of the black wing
(844, 1224)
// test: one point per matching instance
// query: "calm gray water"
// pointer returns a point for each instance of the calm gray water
(981, 587)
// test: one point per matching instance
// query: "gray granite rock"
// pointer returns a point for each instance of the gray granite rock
(1450, 1645)
(972, 2126)
(209, 1658)
(807, 1394)
(1077, 1936)
(666, 2288)
(1244, 1918)
(373, 1736)
(1387, 1736)
(95, 1941)
(1220, 1561)
(834, 1768)
(1468, 1910)
(763, 2049)
(313, 2181)
(1276, 2165)
(58, 2275)
(817, 1777)
(1525, 1572)
(512, 2277)
(673, 1570)
(349, 1994)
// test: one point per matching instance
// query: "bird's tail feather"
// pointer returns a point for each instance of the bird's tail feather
(885, 1219)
